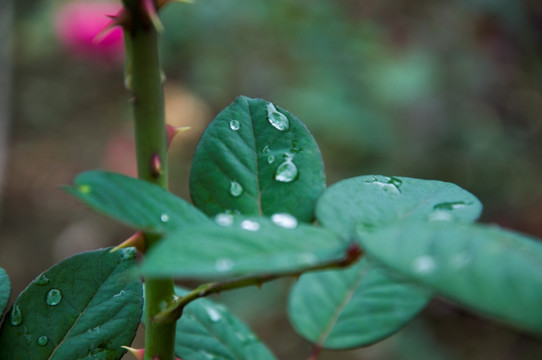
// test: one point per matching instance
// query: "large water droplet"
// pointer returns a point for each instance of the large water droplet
(236, 189)
(390, 185)
(250, 225)
(235, 125)
(42, 280)
(43, 340)
(214, 315)
(164, 218)
(223, 264)
(440, 215)
(277, 119)
(224, 219)
(271, 159)
(54, 297)
(286, 172)
(16, 317)
(284, 220)
(424, 264)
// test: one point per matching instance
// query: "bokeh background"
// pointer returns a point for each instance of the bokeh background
(441, 89)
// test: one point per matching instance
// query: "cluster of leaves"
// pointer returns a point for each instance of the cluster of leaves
(258, 185)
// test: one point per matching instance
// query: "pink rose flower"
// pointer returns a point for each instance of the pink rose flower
(78, 23)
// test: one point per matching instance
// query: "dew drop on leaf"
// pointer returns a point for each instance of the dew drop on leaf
(54, 297)
(390, 185)
(266, 149)
(164, 218)
(42, 280)
(16, 317)
(286, 172)
(236, 189)
(284, 220)
(277, 119)
(128, 253)
(223, 265)
(270, 159)
(450, 205)
(43, 340)
(224, 219)
(424, 264)
(250, 225)
(214, 315)
(440, 215)
(235, 125)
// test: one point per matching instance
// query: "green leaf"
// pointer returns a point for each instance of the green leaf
(134, 202)
(85, 307)
(376, 200)
(354, 307)
(495, 272)
(5, 291)
(242, 246)
(209, 331)
(246, 164)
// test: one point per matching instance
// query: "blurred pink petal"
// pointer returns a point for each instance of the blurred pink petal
(78, 23)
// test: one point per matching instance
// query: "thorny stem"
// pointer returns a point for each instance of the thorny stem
(145, 82)
(175, 309)
(315, 352)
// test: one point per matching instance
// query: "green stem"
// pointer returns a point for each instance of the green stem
(145, 82)
(175, 308)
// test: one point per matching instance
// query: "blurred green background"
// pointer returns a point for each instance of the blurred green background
(447, 90)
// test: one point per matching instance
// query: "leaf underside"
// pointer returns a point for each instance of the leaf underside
(209, 331)
(361, 305)
(490, 270)
(134, 202)
(244, 164)
(85, 307)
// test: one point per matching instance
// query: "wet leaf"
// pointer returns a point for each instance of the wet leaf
(354, 307)
(134, 202)
(492, 271)
(209, 331)
(257, 159)
(247, 245)
(85, 307)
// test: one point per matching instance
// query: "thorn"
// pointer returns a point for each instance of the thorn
(353, 253)
(138, 353)
(137, 240)
(156, 166)
(172, 131)
(150, 8)
(122, 18)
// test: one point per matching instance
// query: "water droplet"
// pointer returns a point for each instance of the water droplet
(54, 297)
(271, 159)
(235, 125)
(284, 220)
(250, 225)
(122, 292)
(223, 264)
(440, 215)
(16, 317)
(460, 259)
(390, 185)
(214, 315)
(84, 189)
(42, 340)
(424, 264)
(449, 206)
(164, 218)
(224, 219)
(287, 171)
(42, 280)
(266, 149)
(308, 258)
(128, 253)
(277, 119)
(236, 189)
